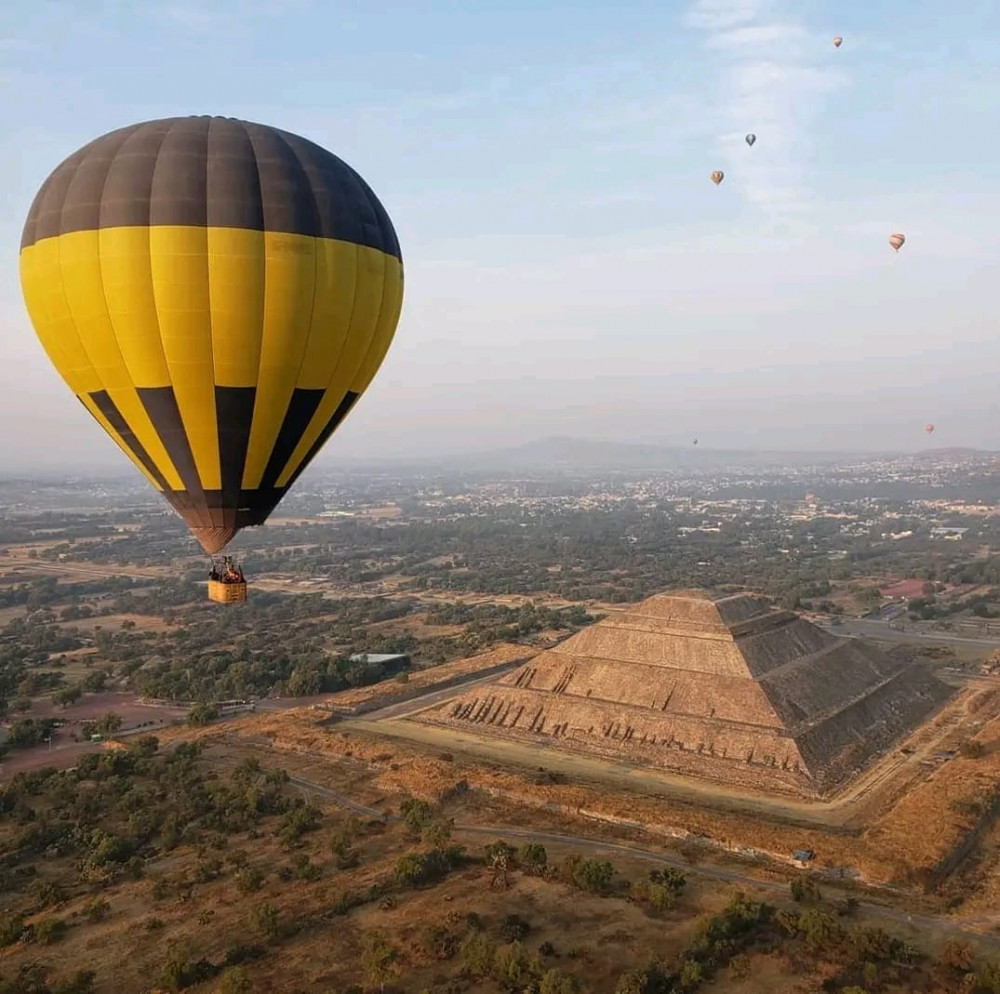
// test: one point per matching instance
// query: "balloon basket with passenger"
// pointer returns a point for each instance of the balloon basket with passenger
(223, 438)
(226, 582)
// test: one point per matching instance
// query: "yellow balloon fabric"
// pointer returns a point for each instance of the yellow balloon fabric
(218, 294)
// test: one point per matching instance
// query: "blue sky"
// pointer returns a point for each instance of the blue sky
(570, 268)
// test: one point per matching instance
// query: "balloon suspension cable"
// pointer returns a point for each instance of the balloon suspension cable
(226, 569)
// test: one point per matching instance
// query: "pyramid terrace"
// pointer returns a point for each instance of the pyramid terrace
(723, 688)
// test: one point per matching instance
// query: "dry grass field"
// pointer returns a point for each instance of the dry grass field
(914, 814)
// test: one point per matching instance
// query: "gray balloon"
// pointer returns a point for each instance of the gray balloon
(751, 139)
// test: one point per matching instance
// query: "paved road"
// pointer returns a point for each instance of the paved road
(43, 566)
(867, 628)
(953, 926)
(427, 700)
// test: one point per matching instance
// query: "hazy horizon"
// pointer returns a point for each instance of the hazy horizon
(570, 269)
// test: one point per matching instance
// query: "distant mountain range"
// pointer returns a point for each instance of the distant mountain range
(559, 454)
(564, 453)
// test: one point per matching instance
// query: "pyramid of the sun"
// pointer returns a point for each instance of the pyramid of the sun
(725, 688)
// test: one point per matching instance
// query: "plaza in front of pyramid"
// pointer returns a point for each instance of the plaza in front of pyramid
(718, 687)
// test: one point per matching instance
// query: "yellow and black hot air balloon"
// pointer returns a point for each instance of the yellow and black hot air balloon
(218, 294)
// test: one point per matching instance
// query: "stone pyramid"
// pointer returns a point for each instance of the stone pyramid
(720, 687)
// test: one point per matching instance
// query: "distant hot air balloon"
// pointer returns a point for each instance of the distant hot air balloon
(929, 429)
(838, 41)
(218, 295)
(695, 442)
(897, 241)
(751, 139)
(718, 176)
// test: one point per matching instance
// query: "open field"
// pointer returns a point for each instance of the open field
(67, 742)
(140, 622)
(207, 903)
(896, 821)
(851, 807)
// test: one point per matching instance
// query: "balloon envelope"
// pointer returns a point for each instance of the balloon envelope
(838, 41)
(897, 241)
(928, 429)
(718, 176)
(751, 139)
(218, 294)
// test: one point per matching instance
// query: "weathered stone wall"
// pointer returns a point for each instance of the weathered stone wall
(670, 691)
(867, 726)
(724, 689)
(772, 648)
(691, 608)
(809, 688)
(727, 751)
(627, 645)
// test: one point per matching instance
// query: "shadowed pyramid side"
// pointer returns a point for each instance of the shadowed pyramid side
(725, 688)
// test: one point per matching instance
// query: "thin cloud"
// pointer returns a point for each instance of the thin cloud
(721, 15)
(771, 84)
(756, 36)
(618, 198)
(195, 17)
(190, 16)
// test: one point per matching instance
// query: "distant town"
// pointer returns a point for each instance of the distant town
(571, 672)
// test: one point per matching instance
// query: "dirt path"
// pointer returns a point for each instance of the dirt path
(532, 756)
(970, 929)
(849, 811)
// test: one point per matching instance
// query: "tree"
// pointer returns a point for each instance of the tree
(670, 878)
(555, 982)
(97, 910)
(378, 958)
(820, 929)
(248, 880)
(691, 975)
(514, 969)
(107, 724)
(201, 714)
(437, 834)
(514, 928)
(235, 981)
(988, 977)
(67, 696)
(95, 681)
(595, 876)
(478, 954)
(340, 846)
(416, 814)
(805, 891)
(649, 979)
(439, 942)
(499, 848)
(410, 869)
(264, 920)
(533, 857)
(50, 930)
